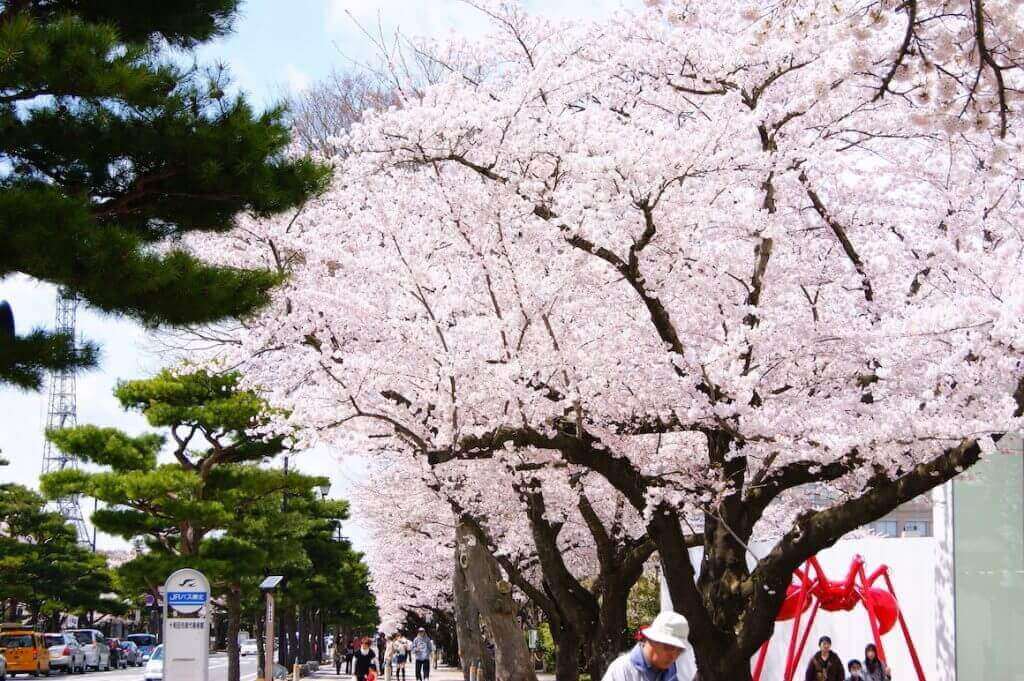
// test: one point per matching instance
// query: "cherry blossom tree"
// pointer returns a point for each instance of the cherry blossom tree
(719, 255)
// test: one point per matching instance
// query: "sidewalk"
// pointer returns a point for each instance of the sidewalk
(442, 674)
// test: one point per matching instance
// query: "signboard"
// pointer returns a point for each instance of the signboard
(186, 626)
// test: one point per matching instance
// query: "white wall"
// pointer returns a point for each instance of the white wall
(912, 567)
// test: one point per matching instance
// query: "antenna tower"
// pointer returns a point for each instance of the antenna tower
(63, 413)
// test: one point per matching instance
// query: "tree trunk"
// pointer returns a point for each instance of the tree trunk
(567, 654)
(612, 637)
(467, 623)
(492, 596)
(234, 602)
(293, 638)
(282, 637)
(303, 636)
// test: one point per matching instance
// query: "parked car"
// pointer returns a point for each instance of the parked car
(145, 642)
(131, 654)
(97, 652)
(25, 652)
(248, 647)
(155, 666)
(66, 653)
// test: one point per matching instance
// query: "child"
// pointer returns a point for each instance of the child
(856, 671)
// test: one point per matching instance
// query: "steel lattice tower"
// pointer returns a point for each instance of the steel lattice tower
(62, 413)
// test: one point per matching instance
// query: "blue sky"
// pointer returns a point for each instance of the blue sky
(278, 47)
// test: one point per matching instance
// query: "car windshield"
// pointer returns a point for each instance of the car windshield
(142, 639)
(250, 642)
(16, 641)
(84, 637)
(158, 654)
(54, 640)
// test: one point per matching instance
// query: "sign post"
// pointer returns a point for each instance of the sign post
(268, 645)
(268, 586)
(187, 626)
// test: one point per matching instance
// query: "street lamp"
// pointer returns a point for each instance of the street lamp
(325, 490)
(268, 586)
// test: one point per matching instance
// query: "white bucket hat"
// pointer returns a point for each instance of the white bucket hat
(669, 628)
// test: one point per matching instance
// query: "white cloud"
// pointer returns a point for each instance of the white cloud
(296, 79)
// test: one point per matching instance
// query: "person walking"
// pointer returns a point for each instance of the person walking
(654, 657)
(402, 647)
(350, 651)
(422, 649)
(825, 665)
(382, 644)
(364, 660)
(389, 656)
(337, 655)
(875, 669)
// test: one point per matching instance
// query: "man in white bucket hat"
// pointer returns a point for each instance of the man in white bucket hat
(654, 658)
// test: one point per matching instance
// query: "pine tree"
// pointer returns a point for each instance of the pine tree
(109, 151)
(43, 566)
(214, 508)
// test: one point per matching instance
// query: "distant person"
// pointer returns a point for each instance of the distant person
(350, 651)
(402, 649)
(382, 644)
(422, 650)
(825, 665)
(654, 657)
(337, 655)
(875, 669)
(364, 660)
(389, 656)
(856, 671)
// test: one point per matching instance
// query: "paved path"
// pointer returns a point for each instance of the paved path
(442, 674)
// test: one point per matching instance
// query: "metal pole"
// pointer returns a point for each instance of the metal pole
(268, 646)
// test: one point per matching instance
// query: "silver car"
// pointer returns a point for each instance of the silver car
(97, 650)
(66, 653)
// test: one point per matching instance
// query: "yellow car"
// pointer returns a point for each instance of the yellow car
(25, 651)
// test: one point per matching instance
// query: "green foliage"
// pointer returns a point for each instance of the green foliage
(546, 645)
(41, 563)
(215, 508)
(108, 148)
(644, 601)
(25, 359)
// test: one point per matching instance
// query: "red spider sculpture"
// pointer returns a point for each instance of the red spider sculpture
(815, 591)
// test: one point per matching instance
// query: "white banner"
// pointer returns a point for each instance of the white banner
(186, 626)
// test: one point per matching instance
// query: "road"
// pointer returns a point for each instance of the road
(218, 671)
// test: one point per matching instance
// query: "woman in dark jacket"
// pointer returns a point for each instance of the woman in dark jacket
(875, 669)
(365, 660)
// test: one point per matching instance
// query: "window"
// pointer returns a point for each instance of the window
(886, 528)
(917, 528)
(16, 641)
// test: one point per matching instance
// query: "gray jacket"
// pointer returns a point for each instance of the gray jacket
(422, 647)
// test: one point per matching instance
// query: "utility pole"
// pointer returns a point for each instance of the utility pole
(62, 412)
